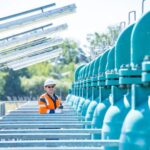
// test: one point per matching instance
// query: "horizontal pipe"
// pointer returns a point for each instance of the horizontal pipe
(28, 11)
(20, 131)
(40, 136)
(30, 20)
(40, 126)
(42, 118)
(59, 143)
(45, 122)
(52, 148)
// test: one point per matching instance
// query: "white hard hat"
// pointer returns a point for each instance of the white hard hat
(49, 82)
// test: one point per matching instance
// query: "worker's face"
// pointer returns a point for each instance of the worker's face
(50, 89)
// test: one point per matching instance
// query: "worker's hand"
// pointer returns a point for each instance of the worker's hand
(58, 111)
(61, 107)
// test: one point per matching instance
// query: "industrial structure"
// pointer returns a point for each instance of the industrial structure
(108, 105)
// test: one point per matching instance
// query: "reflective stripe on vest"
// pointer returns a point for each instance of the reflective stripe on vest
(42, 105)
(47, 102)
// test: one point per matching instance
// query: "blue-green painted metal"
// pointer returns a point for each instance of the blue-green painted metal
(85, 107)
(136, 128)
(110, 67)
(116, 113)
(89, 90)
(91, 106)
(73, 99)
(96, 71)
(100, 110)
(102, 66)
(76, 98)
(128, 76)
(110, 60)
(81, 90)
(146, 69)
(140, 40)
(103, 96)
(123, 45)
(95, 92)
(77, 71)
(84, 89)
(120, 105)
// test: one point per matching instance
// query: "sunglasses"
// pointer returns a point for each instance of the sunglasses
(50, 86)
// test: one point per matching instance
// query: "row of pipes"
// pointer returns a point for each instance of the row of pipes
(113, 91)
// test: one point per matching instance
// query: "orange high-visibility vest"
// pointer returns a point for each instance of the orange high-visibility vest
(48, 104)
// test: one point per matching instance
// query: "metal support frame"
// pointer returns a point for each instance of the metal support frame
(32, 62)
(11, 42)
(28, 51)
(48, 15)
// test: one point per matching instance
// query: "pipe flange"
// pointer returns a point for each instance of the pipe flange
(146, 70)
(101, 80)
(129, 76)
(112, 78)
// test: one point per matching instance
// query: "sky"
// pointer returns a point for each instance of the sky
(91, 15)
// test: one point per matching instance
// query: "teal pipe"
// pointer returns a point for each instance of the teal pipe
(78, 77)
(110, 60)
(102, 67)
(135, 133)
(96, 66)
(140, 35)
(116, 113)
(110, 68)
(103, 62)
(76, 74)
(91, 88)
(82, 102)
(84, 90)
(78, 87)
(95, 94)
(122, 51)
(89, 91)
(103, 96)
(136, 128)
(75, 98)
(100, 110)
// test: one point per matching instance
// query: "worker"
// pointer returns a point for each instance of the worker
(49, 101)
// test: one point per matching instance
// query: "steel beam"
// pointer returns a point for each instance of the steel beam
(37, 18)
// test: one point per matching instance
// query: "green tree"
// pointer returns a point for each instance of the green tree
(69, 51)
(3, 76)
(33, 86)
(12, 86)
(40, 69)
(99, 42)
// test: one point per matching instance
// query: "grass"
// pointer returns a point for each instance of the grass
(10, 106)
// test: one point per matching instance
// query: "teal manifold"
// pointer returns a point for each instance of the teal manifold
(95, 91)
(83, 74)
(87, 83)
(120, 98)
(135, 133)
(71, 98)
(103, 94)
(83, 90)
(136, 128)
(76, 98)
